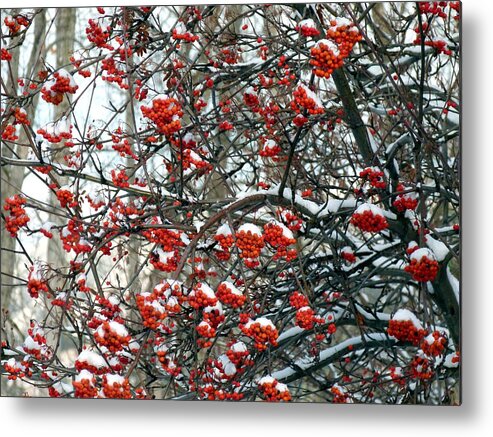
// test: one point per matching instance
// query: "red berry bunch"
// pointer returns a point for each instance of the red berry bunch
(421, 367)
(84, 385)
(340, 396)
(151, 310)
(116, 387)
(262, 331)
(180, 33)
(250, 241)
(120, 178)
(270, 149)
(224, 236)
(306, 319)
(91, 361)
(374, 176)
(228, 294)
(15, 370)
(36, 282)
(344, 34)
(202, 296)
(62, 83)
(280, 238)
(404, 326)
(423, 266)
(433, 8)
(434, 344)
(325, 58)
(97, 35)
(204, 329)
(165, 261)
(348, 255)
(21, 116)
(66, 198)
(298, 300)
(5, 55)
(369, 218)
(17, 217)
(9, 133)
(405, 201)
(72, 239)
(113, 335)
(250, 97)
(307, 28)
(273, 391)
(305, 100)
(239, 355)
(165, 113)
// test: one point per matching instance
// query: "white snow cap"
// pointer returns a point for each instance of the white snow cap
(205, 289)
(330, 44)
(421, 253)
(115, 327)
(232, 288)
(266, 380)
(307, 23)
(224, 229)
(84, 374)
(406, 315)
(246, 227)
(92, 358)
(239, 346)
(369, 207)
(228, 367)
(262, 321)
(113, 378)
(438, 248)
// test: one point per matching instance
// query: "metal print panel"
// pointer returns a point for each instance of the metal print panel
(232, 202)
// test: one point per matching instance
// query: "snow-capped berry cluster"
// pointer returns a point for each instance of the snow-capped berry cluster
(339, 394)
(325, 58)
(369, 218)
(57, 131)
(423, 265)
(434, 344)
(85, 385)
(306, 318)
(374, 176)
(404, 326)
(345, 34)
(307, 28)
(36, 281)
(62, 83)
(279, 237)
(224, 236)
(229, 295)
(250, 242)
(405, 201)
(17, 217)
(97, 35)
(298, 300)
(165, 112)
(270, 149)
(180, 33)
(348, 255)
(116, 386)
(273, 390)
(91, 361)
(20, 116)
(66, 198)
(202, 296)
(262, 331)
(306, 101)
(112, 335)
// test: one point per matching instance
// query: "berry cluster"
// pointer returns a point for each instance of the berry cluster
(405, 201)
(305, 101)
(21, 116)
(298, 300)
(262, 331)
(374, 176)
(202, 296)
(62, 83)
(97, 35)
(307, 28)
(17, 217)
(273, 391)
(113, 335)
(224, 236)
(5, 55)
(270, 149)
(36, 282)
(165, 113)
(306, 318)
(280, 238)
(325, 58)
(369, 218)
(228, 294)
(9, 133)
(404, 326)
(423, 266)
(250, 242)
(84, 385)
(116, 386)
(344, 34)
(348, 255)
(66, 198)
(434, 344)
